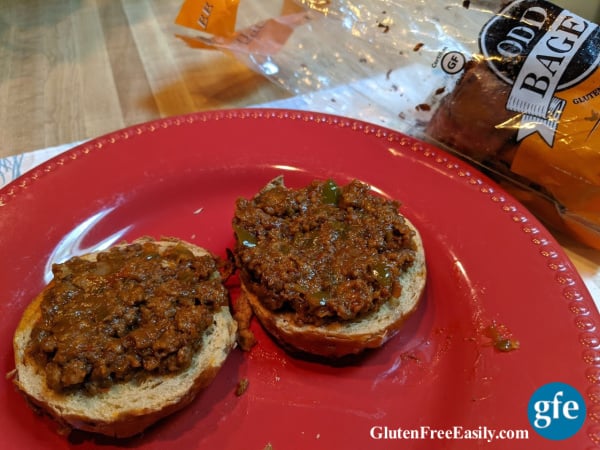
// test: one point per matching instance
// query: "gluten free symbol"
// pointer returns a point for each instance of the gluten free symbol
(453, 62)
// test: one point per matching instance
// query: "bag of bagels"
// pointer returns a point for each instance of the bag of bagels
(511, 86)
(527, 109)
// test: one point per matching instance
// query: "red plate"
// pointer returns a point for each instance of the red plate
(488, 260)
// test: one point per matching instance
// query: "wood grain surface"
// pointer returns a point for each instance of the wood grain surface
(77, 69)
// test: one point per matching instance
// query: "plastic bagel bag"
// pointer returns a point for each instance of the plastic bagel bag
(512, 87)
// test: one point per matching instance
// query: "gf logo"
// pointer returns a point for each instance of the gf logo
(453, 62)
(556, 411)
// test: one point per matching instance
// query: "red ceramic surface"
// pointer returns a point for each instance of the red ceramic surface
(488, 260)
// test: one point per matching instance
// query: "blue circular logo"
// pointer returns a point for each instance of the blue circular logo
(556, 411)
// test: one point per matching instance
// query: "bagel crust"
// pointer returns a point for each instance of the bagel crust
(329, 336)
(126, 408)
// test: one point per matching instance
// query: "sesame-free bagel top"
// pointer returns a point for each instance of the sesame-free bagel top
(132, 311)
(326, 252)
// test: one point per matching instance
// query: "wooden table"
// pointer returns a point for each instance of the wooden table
(76, 69)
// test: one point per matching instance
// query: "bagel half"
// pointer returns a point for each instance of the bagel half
(341, 338)
(126, 408)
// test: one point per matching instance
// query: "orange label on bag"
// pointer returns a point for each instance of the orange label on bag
(570, 167)
(550, 58)
(216, 17)
(263, 38)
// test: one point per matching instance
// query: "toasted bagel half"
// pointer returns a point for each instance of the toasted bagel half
(290, 274)
(128, 407)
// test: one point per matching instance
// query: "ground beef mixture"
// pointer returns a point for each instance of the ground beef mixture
(327, 252)
(131, 313)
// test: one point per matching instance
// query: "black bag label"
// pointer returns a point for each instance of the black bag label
(540, 49)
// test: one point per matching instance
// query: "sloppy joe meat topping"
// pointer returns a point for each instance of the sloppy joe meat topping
(326, 252)
(137, 310)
